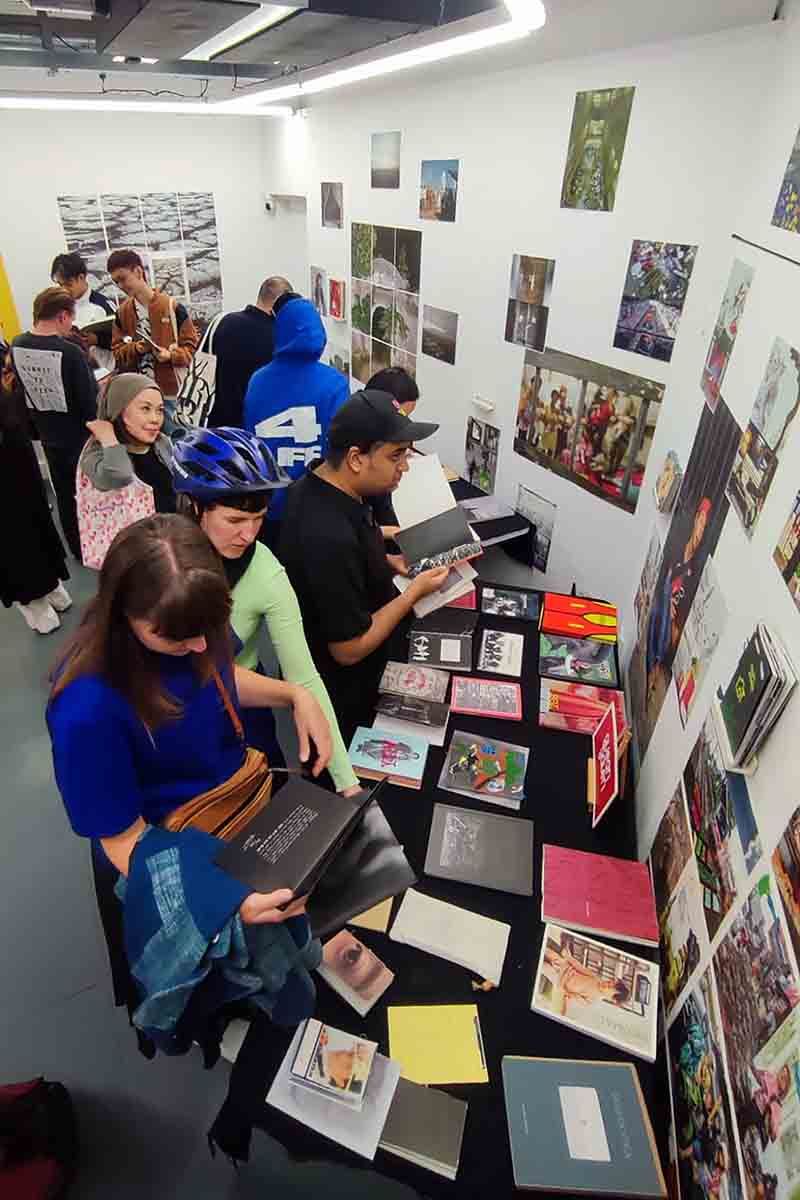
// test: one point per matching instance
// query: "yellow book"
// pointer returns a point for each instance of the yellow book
(438, 1043)
(376, 918)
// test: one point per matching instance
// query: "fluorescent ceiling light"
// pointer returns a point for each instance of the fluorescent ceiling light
(67, 104)
(150, 61)
(240, 31)
(531, 16)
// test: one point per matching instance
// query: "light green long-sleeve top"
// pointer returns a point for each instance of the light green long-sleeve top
(264, 593)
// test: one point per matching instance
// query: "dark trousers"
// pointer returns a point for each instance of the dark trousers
(63, 463)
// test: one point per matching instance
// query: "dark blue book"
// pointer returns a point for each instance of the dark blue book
(580, 1127)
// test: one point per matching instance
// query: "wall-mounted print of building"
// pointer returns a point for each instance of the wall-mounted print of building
(438, 189)
(596, 144)
(384, 300)
(588, 422)
(653, 297)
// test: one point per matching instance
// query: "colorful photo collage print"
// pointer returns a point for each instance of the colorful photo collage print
(384, 298)
(653, 297)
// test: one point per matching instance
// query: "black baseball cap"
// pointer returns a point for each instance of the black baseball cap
(373, 416)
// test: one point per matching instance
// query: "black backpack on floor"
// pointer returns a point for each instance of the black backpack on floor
(38, 1141)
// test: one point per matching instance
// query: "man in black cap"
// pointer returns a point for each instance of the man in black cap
(336, 558)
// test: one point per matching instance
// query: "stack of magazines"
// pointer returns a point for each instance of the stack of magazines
(757, 694)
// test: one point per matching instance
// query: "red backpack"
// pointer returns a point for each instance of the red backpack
(38, 1141)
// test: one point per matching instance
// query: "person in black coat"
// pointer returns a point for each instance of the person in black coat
(243, 343)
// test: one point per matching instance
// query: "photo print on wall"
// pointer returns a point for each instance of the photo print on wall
(337, 299)
(637, 665)
(787, 552)
(438, 189)
(668, 483)
(725, 330)
(331, 205)
(653, 297)
(542, 515)
(596, 144)
(701, 635)
(671, 849)
(529, 300)
(439, 333)
(787, 206)
(775, 408)
(385, 160)
(480, 453)
(683, 940)
(318, 289)
(384, 299)
(590, 423)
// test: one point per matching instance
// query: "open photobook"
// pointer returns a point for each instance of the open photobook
(458, 586)
(486, 698)
(354, 972)
(333, 1062)
(483, 848)
(485, 769)
(580, 659)
(376, 754)
(575, 616)
(599, 990)
(434, 530)
(510, 602)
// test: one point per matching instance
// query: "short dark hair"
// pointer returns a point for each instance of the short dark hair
(397, 382)
(273, 287)
(249, 502)
(123, 260)
(49, 303)
(69, 266)
(335, 455)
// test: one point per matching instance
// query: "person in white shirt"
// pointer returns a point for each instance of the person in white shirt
(71, 272)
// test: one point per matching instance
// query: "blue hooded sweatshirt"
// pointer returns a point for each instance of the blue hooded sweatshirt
(291, 401)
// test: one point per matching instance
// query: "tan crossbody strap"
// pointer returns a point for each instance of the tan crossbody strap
(229, 705)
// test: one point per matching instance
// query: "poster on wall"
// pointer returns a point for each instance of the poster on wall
(318, 289)
(331, 205)
(700, 638)
(385, 160)
(671, 849)
(637, 666)
(438, 189)
(693, 535)
(726, 329)
(758, 991)
(787, 553)
(439, 333)
(596, 144)
(542, 515)
(590, 423)
(683, 940)
(776, 405)
(653, 297)
(668, 483)
(786, 865)
(529, 300)
(480, 453)
(384, 298)
(336, 299)
(707, 1157)
(787, 206)
(727, 845)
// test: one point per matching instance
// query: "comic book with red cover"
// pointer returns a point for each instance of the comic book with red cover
(597, 894)
(575, 616)
(578, 707)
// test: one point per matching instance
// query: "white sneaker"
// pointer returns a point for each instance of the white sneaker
(60, 598)
(40, 615)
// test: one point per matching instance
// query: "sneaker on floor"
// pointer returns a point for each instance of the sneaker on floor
(59, 598)
(40, 615)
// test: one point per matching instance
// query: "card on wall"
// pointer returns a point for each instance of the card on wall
(726, 330)
(787, 206)
(787, 552)
(337, 299)
(529, 298)
(701, 635)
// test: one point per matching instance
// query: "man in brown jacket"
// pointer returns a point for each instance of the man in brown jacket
(161, 333)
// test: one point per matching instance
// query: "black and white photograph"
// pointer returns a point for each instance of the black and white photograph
(122, 216)
(462, 845)
(332, 205)
(542, 515)
(480, 454)
(439, 333)
(162, 223)
(82, 222)
(501, 652)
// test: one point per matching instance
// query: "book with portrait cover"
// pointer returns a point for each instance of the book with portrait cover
(486, 698)
(578, 707)
(580, 1127)
(333, 1062)
(483, 848)
(599, 990)
(485, 769)
(407, 679)
(378, 754)
(354, 972)
(598, 894)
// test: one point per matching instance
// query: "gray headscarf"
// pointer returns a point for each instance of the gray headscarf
(120, 391)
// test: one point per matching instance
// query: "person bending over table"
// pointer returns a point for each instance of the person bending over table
(225, 479)
(335, 556)
(400, 384)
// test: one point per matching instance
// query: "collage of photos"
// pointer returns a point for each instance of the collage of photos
(438, 189)
(787, 206)
(590, 423)
(653, 297)
(385, 160)
(384, 298)
(480, 454)
(787, 553)
(529, 293)
(542, 515)
(725, 330)
(701, 635)
(758, 990)
(596, 145)
(775, 408)
(439, 333)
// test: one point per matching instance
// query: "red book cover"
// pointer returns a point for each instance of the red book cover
(468, 600)
(600, 895)
(574, 616)
(606, 764)
(578, 707)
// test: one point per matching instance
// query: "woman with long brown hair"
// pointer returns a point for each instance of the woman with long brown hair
(143, 712)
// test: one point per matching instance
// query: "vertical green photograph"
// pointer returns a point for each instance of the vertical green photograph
(361, 242)
(596, 145)
(361, 305)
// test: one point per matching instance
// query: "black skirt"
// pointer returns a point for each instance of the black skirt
(32, 556)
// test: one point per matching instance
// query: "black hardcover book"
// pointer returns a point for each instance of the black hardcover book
(294, 839)
(447, 533)
(412, 708)
(743, 695)
(481, 848)
(454, 621)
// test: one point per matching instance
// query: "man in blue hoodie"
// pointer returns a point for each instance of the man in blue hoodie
(291, 401)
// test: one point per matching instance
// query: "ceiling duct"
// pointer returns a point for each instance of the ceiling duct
(166, 29)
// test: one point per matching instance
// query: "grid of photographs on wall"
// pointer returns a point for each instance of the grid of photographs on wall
(596, 144)
(590, 423)
(787, 552)
(542, 515)
(653, 297)
(480, 454)
(175, 233)
(529, 291)
(726, 328)
(787, 206)
(384, 298)
(438, 189)
(775, 408)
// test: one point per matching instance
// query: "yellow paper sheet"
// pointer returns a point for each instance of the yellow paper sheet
(376, 918)
(9, 320)
(437, 1043)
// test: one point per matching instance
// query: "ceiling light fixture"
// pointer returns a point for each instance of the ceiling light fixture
(526, 17)
(191, 108)
(241, 31)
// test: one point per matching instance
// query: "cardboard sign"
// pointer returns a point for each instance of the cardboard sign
(605, 764)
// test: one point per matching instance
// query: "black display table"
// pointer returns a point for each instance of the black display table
(556, 802)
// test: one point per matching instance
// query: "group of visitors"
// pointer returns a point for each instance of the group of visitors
(279, 520)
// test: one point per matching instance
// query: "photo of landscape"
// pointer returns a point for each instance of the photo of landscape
(439, 333)
(385, 160)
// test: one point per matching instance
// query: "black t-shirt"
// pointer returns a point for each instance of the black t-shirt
(60, 388)
(242, 343)
(151, 470)
(336, 560)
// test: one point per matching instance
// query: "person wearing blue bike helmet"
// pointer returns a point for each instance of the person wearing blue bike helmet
(225, 479)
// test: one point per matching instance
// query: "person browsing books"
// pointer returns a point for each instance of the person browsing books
(226, 479)
(400, 384)
(70, 272)
(335, 556)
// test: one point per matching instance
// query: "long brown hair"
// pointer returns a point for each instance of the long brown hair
(165, 570)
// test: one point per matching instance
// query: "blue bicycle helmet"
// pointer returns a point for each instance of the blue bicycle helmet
(209, 463)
